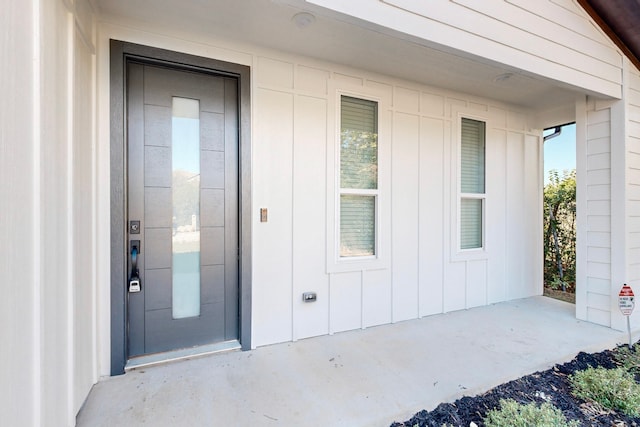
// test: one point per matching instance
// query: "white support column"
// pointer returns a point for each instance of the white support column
(19, 251)
(619, 237)
(581, 208)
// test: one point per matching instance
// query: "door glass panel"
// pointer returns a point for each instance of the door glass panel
(185, 148)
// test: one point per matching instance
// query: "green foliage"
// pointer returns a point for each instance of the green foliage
(560, 221)
(514, 414)
(628, 358)
(612, 388)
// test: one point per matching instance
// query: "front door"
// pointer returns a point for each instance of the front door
(182, 208)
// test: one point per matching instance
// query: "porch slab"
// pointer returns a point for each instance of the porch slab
(368, 377)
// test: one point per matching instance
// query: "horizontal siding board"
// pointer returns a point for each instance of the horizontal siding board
(598, 146)
(456, 27)
(599, 161)
(599, 270)
(599, 286)
(633, 128)
(633, 273)
(633, 239)
(633, 224)
(599, 207)
(598, 130)
(595, 117)
(634, 254)
(570, 17)
(599, 192)
(599, 317)
(598, 239)
(633, 145)
(633, 160)
(599, 223)
(598, 254)
(633, 176)
(536, 27)
(597, 301)
(599, 177)
(633, 192)
(503, 35)
(633, 97)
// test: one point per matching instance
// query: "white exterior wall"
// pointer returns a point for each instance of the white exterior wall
(19, 172)
(294, 148)
(593, 168)
(293, 101)
(551, 38)
(632, 169)
(47, 365)
(55, 183)
(608, 178)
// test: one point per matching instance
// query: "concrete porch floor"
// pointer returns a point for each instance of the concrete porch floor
(366, 377)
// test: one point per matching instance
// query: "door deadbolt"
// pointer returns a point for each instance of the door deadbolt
(134, 227)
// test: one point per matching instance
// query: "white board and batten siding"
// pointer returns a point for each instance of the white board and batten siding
(553, 38)
(423, 273)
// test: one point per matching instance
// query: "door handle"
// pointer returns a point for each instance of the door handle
(134, 278)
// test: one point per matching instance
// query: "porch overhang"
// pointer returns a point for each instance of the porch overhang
(330, 35)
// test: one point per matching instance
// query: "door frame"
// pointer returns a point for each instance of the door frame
(120, 53)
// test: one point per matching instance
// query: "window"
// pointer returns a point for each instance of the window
(358, 176)
(472, 183)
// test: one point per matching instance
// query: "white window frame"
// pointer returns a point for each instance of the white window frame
(457, 252)
(335, 262)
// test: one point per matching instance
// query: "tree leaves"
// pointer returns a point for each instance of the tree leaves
(559, 214)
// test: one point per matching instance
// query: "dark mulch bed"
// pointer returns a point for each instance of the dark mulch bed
(551, 385)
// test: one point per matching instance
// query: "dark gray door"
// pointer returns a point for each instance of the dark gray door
(182, 208)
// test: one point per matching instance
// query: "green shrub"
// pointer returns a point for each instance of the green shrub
(612, 388)
(628, 358)
(514, 414)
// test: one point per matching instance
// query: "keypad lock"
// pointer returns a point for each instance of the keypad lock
(134, 284)
(134, 280)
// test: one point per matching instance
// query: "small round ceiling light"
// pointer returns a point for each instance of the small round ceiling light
(502, 77)
(303, 19)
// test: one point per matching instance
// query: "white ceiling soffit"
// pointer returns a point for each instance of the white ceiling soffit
(344, 40)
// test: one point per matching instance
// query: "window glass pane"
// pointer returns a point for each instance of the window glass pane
(358, 143)
(185, 157)
(472, 156)
(357, 225)
(471, 224)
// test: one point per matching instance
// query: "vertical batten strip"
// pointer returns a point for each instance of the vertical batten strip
(69, 208)
(36, 269)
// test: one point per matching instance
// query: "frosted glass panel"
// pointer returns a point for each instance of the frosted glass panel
(185, 149)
